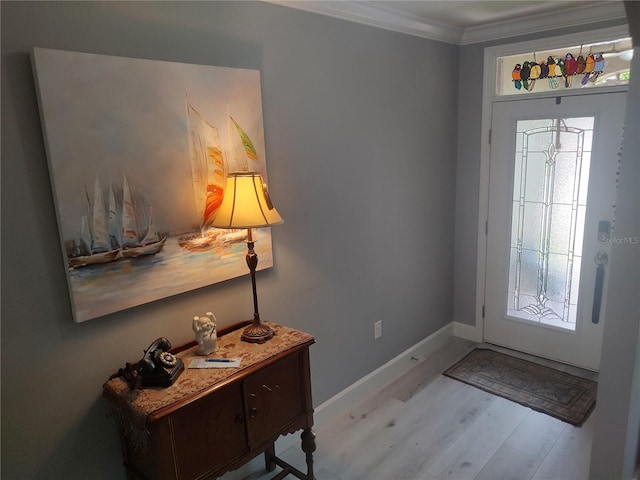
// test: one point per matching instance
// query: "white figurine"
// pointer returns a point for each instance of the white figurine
(206, 335)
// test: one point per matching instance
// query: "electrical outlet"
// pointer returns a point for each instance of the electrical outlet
(377, 329)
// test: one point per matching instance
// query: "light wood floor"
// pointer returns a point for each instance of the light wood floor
(426, 426)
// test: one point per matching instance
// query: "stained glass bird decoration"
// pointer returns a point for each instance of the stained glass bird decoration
(560, 71)
(590, 64)
(570, 68)
(581, 64)
(598, 68)
(515, 76)
(525, 71)
(534, 74)
(544, 69)
(551, 65)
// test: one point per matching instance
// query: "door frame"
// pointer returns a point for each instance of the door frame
(491, 55)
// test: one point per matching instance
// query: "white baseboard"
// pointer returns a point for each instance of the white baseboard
(382, 376)
(468, 332)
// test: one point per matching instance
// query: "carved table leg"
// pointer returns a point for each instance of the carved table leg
(269, 454)
(308, 447)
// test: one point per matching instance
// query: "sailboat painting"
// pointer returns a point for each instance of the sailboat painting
(138, 152)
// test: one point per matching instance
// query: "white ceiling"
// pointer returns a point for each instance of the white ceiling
(465, 21)
(468, 14)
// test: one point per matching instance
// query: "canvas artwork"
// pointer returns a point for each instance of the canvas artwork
(138, 154)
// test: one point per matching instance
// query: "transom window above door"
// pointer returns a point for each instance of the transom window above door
(567, 68)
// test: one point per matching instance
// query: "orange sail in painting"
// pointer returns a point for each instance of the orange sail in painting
(207, 166)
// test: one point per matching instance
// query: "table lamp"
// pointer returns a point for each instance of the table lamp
(246, 204)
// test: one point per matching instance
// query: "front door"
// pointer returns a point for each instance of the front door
(551, 212)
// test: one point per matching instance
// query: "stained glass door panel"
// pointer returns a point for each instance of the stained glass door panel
(551, 173)
(552, 180)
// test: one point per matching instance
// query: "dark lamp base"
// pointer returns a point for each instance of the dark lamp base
(257, 333)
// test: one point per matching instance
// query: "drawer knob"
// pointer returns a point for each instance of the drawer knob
(239, 418)
(253, 411)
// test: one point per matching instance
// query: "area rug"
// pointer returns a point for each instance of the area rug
(540, 388)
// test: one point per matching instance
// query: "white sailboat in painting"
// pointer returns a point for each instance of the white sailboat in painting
(95, 245)
(132, 245)
(114, 220)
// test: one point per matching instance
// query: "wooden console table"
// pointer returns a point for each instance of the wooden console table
(211, 421)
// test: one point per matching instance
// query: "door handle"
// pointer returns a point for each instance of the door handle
(601, 260)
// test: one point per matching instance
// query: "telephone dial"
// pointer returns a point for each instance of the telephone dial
(157, 368)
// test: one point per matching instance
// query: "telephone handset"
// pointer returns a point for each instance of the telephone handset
(157, 368)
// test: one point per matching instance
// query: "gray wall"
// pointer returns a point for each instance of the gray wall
(617, 426)
(468, 183)
(360, 126)
(617, 422)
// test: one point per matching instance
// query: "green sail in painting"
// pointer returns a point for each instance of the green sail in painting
(249, 149)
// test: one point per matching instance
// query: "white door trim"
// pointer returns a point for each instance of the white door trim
(491, 55)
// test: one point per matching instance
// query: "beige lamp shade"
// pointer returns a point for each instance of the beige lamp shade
(246, 203)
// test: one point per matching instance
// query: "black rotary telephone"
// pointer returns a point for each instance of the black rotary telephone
(157, 368)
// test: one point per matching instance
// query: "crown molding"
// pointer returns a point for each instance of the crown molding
(571, 17)
(376, 15)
